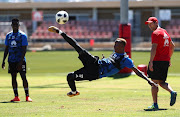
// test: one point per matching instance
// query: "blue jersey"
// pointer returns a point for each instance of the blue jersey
(15, 41)
(108, 69)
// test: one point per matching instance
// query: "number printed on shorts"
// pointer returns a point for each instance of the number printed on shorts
(23, 66)
(80, 75)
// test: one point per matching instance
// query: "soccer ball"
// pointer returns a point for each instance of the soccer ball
(62, 17)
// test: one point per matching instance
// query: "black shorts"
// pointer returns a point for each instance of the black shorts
(160, 70)
(90, 71)
(13, 67)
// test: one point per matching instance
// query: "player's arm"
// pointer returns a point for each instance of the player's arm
(172, 46)
(153, 53)
(4, 57)
(140, 74)
(24, 49)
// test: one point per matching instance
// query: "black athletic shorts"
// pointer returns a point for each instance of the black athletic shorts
(160, 70)
(13, 67)
(90, 71)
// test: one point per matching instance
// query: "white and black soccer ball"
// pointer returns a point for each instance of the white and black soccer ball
(62, 17)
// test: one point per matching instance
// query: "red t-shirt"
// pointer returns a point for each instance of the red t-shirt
(162, 38)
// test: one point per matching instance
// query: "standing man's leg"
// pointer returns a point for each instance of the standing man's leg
(25, 85)
(154, 75)
(15, 87)
(14, 84)
(154, 91)
(167, 87)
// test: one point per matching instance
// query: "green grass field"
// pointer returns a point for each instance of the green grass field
(107, 97)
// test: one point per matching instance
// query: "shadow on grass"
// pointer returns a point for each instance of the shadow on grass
(57, 85)
(9, 102)
(118, 76)
(160, 109)
(15, 102)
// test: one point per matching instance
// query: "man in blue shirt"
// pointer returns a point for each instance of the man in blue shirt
(15, 45)
(94, 68)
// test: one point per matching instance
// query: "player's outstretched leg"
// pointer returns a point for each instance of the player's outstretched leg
(73, 43)
(71, 83)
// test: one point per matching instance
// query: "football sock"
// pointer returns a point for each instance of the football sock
(72, 85)
(71, 82)
(156, 105)
(15, 92)
(26, 91)
(72, 42)
(60, 32)
(73, 92)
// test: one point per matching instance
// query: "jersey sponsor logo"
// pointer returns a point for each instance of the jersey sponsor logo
(166, 37)
(13, 43)
(115, 57)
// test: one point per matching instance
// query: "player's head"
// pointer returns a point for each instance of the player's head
(119, 45)
(15, 24)
(152, 22)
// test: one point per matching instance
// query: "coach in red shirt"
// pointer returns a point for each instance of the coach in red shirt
(161, 52)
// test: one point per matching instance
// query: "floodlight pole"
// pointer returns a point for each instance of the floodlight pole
(34, 23)
(124, 11)
(125, 31)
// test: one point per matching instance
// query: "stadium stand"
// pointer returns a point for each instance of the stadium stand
(5, 27)
(173, 28)
(102, 31)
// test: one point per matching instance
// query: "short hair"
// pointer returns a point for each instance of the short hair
(121, 40)
(15, 20)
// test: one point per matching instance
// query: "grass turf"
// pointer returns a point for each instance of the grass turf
(108, 97)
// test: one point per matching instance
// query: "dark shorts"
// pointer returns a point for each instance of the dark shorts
(160, 70)
(13, 67)
(90, 71)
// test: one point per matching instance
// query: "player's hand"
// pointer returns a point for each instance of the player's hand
(3, 65)
(151, 66)
(170, 64)
(103, 56)
(152, 83)
(53, 29)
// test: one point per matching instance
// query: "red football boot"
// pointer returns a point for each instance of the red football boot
(15, 99)
(28, 99)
